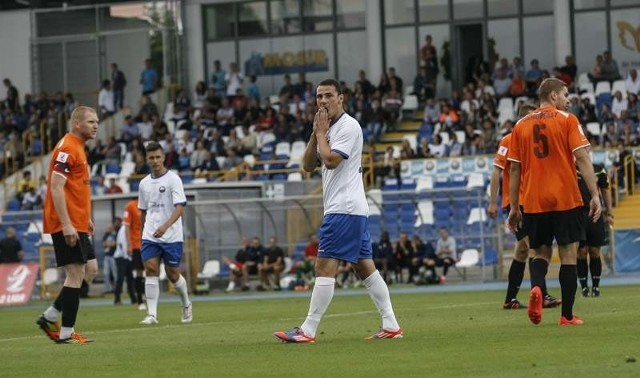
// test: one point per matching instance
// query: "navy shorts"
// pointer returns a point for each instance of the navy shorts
(345, 237)
(170, 253)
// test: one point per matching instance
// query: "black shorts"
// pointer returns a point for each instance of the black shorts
(136, 260)
(521, 232)
(80, 254)
(441, 261)
(595, 234)
(565, 227)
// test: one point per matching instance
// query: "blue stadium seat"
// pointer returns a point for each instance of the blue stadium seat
(113, 168)
(13, 205)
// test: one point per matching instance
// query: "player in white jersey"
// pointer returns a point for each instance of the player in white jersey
(336, 145)
(161, 201)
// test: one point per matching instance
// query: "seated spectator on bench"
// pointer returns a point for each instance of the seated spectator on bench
(272, 264)
(445, 252)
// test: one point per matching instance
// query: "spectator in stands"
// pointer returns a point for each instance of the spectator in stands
(517, 66)
(610, 136)
(199, 155)
(224, 116)
(287, 90)
(423, 150)
(215, 141)
(233, 80)
(31, 200)
(422, 88)
(619, 104)
(42, 188)
(365, 84)
(345, 274)
(449, 118)
(431, 111)
(105, 100)
(145, 127)
(518, 85)
(569, 68)
(109, 269)
(383, 84)
(632, 83)
(306, 266)
(254, 255)
(237, 267)
(149, 79)
(199, 95)
(232, 160)
(253, 92)
(272, 264)
(374, 119)
(565, 77)
(399, 86)
(10, 248)
(628, 134)
(502, 83)
(403, 254)
(588, 111)
(408, 151)
(140, 169)
(69, 105)
(208, 167)
(533, 77)
(248, 143)
(634, 106)
(97, 186)
(606, 115)
(181, 107)
(26, 183)
(233, 142)
(455, 147)
(218, 81)
(13, 98)
(390, 165)
(129, 130)
(148, 106)
(160, 129)
(609, 66)
(383, 256)
(446, 252)
(113, 187)
(184, 160)
(575, 107)
(300, 87)
(119, 82)
(437, 148)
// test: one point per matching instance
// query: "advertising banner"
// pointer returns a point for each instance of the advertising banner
(16, 282)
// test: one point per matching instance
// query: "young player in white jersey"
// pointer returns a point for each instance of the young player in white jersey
(161, 200)
(336, 145)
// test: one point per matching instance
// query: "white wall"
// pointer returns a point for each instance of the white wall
(130, 61)
(15, 54)
(194, 45)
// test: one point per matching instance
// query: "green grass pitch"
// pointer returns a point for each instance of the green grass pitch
(464, 334)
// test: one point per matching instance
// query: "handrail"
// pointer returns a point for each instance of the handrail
(629, 174)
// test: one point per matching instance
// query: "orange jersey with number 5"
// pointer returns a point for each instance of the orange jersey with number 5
(543, 143)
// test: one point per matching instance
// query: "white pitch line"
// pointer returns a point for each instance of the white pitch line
(205, 324)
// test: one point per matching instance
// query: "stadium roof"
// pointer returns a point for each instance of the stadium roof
(38, 4)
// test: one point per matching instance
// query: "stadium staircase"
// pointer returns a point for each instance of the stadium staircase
(626, 214)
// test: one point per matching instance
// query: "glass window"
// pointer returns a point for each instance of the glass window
(399, 12)
(285, 16)
(71, 22)
(400, 54)
(433, 10)
(502, 7)
(539, 42)
(615, 3)
(220, 21)
(537, 6)
(317, 15)
(590, 41)
(351, 14)
(588, 4)
(504, 34)
(349, 63)
(467, 9)
(252, 18)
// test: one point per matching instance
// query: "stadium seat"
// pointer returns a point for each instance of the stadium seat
(424, 183)
(113, 168)
(210, 269)
(13, 205)
(583, 78)
(410, 103)
(424, 213)
(461, 136)
(468, 258)
(618, 85)
(288, 264)
(294, 176)
(477, 214)
(266, 138)
(505, 104)
(283, 150)
(408, 90)
(602, 87)
(584, 88)
(594, 128)
(590, 96)
(476, 180)
(249, 159)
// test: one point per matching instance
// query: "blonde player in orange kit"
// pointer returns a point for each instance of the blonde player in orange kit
(516, 271)
(67, 217)
(544, 145)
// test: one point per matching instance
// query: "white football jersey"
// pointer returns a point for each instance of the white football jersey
(158, 196)
(343, 187)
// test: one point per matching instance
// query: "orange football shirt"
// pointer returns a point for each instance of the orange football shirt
(132, 219)
(543, 143)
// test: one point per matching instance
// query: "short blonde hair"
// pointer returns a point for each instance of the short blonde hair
(79, 113)
(549, 86)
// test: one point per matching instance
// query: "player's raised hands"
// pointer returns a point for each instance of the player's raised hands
(321, 121)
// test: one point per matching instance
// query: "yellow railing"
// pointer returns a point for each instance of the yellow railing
(628, 165)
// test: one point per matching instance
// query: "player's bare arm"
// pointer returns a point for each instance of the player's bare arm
(175, 215)
(493, 192)
(515, 216)
(583, 161)
(330, 159)
(60, 203)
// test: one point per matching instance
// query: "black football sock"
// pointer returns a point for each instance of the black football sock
(516, 273)
(57, 304)
(70, 305)
(583, 271)
(538, 270)
(140, 289)
(596, 270)
(568, 285)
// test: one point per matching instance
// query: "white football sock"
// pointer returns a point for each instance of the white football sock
(232, 285)
(65, 332)
(320, 299)
(181, 288)
(379, 293)
(51, 314)
(152, 292)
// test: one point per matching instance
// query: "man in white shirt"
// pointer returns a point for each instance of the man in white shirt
(234, 80)
(105, 99)
(161, 200)
(336, 146)
(632, 84)
(446, 252)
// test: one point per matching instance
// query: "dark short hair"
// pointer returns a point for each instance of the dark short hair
(153, 146)
(332, 82)
(549, 86)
